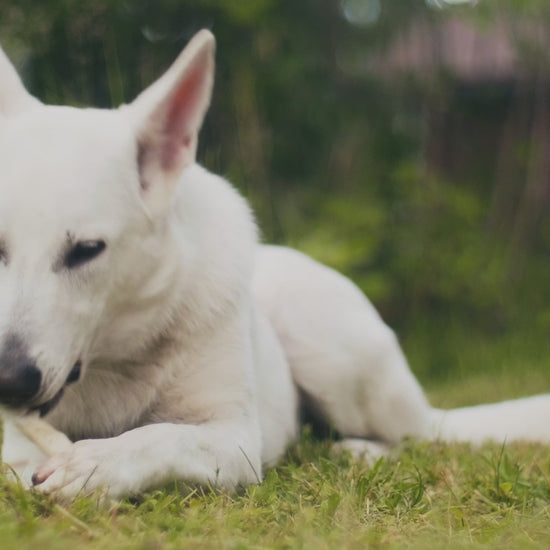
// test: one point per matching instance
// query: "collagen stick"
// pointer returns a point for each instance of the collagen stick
(49, 440)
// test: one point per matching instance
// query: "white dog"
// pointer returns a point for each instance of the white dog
(139, 316)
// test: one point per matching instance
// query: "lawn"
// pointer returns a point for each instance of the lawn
(425, 496)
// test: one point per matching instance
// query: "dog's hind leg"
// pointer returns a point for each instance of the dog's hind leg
(344, 358)
(357, 378)
(352, 371)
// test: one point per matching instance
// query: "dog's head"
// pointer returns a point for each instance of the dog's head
(85, 201)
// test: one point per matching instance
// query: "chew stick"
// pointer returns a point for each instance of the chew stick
(49, 440)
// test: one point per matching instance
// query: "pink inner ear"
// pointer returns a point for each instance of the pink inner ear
(183, 115)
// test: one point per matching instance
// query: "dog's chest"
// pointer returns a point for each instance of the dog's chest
(108, 402)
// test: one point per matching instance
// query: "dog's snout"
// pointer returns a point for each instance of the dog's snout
(20, 378)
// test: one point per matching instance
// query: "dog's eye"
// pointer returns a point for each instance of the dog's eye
(82, 252)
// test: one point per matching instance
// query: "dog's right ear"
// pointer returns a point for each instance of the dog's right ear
(13, 96)
(168, 116)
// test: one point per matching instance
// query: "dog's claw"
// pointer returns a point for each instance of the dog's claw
(36, 479)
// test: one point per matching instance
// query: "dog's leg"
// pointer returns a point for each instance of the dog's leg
(221, 447)
(356, 378)
(347, 362)
(276, 395)
(221, 455)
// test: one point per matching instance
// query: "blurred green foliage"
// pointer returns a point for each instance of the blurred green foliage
(430, 191)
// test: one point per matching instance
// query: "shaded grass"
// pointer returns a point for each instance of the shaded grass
(424, 496)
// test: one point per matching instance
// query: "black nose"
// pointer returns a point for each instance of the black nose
(19, 385)
(19, 377)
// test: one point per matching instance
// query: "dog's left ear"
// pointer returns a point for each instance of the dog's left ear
(169, 115)
(13, 96)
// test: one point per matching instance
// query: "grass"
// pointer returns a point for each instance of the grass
(426, 496)
(431, 496)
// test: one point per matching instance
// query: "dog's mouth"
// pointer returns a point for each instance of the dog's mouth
(44, 408)
(49, 405)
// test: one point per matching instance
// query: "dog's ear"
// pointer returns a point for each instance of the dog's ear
(13, 96)
(169, 115)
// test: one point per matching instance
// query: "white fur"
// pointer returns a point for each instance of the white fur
(13, 97)
(193, 338)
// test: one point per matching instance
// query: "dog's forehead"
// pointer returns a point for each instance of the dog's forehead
(58, 142)
(59, 159)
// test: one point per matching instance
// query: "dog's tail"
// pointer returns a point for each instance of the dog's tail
(526, 419)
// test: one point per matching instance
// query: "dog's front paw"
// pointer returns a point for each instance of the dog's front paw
(91, 467)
